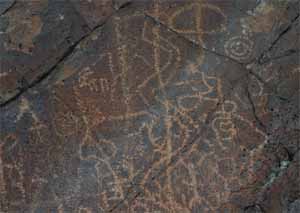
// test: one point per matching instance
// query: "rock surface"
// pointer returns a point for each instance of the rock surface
(149, 106)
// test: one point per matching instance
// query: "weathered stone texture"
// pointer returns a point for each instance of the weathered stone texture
(149, 106)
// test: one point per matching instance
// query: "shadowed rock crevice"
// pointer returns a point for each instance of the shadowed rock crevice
(5, 6)
(24, 87)
(263, 56)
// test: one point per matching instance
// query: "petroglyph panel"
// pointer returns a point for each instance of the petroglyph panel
(35, 35)
(142, 113)
(239, 30)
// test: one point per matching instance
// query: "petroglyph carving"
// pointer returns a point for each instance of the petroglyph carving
(239, 47)
(95, 85)
(198, 27)
(143, 119)
(202, 88)
(223, 125)
(100, 155)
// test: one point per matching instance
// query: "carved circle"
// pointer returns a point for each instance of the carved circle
(239, 47)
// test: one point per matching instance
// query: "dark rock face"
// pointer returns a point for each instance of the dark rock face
(149, 106)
